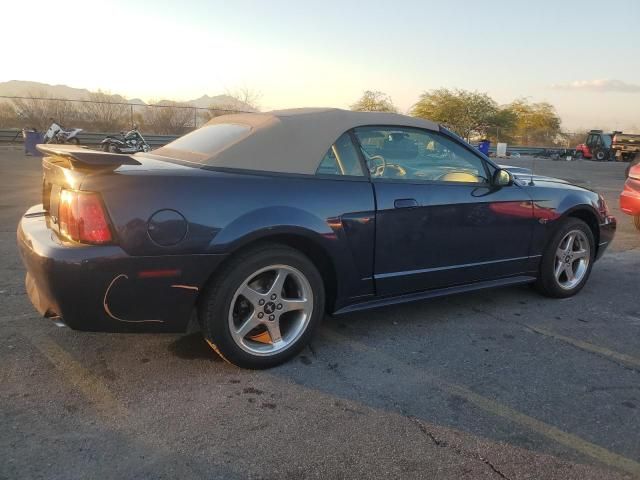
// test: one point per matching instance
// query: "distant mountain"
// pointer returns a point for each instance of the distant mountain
(22, 88)
(220, 101)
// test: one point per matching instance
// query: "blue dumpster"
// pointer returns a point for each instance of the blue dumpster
(483, 146)
(31, 139)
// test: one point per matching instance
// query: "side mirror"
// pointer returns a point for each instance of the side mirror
(502, 178)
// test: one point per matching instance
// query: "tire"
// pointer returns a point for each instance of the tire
(561, 286)
(105, 147)
(636, 221)
(293, 310)
(112, 148)
(74, 141)
(600, 155)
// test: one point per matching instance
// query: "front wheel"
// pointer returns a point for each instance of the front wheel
(567, 260)
(600, 155)
(263, 307)
(74, 141)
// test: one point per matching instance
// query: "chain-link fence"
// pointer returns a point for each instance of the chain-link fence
(165, 118)
(174, 118)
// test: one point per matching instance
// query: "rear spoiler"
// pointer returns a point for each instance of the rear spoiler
(87, 157)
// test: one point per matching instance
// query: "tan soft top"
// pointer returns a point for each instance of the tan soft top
(291, 141)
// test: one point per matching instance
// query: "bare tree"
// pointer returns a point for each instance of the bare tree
(8, 116)
(36, 110)
(169, 118)
(246, 99)
(106, 112)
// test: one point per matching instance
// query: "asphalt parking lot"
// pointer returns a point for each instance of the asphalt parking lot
(501, 384)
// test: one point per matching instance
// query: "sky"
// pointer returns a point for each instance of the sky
(581, 56)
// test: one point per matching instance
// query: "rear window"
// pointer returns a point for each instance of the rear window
(209, 139)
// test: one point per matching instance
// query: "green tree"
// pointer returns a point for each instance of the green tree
(466, 113)
(374, 101)
(502, 125)
(536, 123)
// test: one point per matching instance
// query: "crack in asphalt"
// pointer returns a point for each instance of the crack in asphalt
(412, 418)
(459, 451)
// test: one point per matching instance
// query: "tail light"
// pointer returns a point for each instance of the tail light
(82, 217)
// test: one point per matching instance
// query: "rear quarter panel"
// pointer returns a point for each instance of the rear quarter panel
(227, 211)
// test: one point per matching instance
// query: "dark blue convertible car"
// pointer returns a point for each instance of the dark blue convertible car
(255, 225)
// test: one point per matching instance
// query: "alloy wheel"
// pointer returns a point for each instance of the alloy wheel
(572, 259)
(270, 310)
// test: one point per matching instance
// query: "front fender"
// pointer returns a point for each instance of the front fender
(578, 201)
(559, 205)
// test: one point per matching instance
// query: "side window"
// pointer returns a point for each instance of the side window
(341, 159)
(414, 154)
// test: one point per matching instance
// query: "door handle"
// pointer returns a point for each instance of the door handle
(405, 203)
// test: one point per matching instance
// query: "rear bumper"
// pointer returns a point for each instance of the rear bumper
(102, 288)
(630, 197)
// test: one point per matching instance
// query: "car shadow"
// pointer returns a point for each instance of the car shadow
(193, 347)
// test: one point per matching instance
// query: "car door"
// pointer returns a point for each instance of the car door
(439, 221)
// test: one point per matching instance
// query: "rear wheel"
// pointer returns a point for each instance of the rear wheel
(263, 307)
(74, 141)
(567, 260)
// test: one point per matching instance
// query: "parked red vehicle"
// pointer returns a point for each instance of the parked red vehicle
(630, 196)
(596, 147)
(618, 146)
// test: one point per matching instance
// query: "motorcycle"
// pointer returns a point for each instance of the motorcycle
(129, 142)
(57, 134)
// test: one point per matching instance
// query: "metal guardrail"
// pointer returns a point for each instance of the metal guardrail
(529, 150)
(87, 138)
